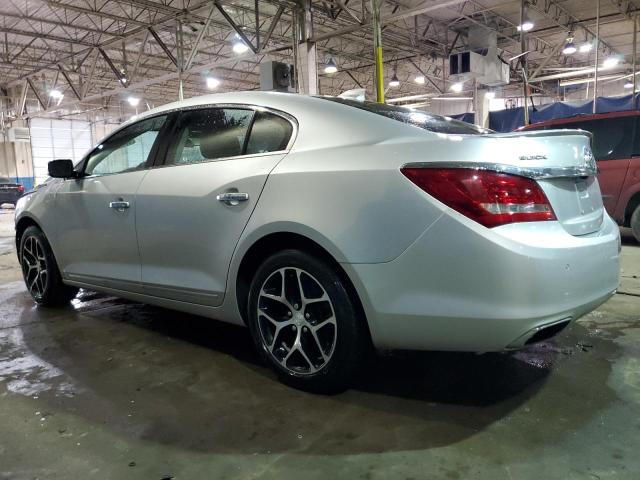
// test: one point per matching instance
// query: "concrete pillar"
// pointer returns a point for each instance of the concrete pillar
(481, 108)
(306, 56)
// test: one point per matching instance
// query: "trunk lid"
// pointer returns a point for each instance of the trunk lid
(562, 163)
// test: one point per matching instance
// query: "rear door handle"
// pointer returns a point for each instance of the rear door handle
(120, 206)
(232, 198)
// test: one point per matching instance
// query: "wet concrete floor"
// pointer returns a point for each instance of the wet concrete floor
(112, 389)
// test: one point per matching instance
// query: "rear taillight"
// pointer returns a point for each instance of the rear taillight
(490, 198)
(21, 188)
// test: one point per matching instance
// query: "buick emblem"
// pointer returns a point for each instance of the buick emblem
(532, 157)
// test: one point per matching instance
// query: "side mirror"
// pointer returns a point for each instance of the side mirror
(61, 169)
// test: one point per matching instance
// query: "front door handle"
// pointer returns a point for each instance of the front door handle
(232, 198)
(120, 206)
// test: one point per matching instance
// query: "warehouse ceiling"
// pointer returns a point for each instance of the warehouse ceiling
(98, 53)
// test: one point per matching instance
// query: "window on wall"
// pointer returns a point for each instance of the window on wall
(269, 133)
(127, 150)
(209, 134)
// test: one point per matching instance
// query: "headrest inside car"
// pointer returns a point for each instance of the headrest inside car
(224, 143)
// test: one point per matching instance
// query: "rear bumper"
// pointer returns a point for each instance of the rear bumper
(463, 287)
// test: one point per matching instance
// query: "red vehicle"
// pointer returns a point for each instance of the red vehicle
(616, 147)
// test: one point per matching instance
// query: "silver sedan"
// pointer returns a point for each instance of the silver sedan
(329, 226)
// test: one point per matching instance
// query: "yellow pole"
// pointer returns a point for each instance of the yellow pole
(377, 45)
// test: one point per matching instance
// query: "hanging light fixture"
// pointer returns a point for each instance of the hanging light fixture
(569, 47)
(331, 66)
(395, 81)
(419, 79)
(133, 101)
(56, 94)
(490, 94)
(628, 84)
(456, 87)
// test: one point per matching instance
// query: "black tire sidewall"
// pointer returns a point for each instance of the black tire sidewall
(349, 349)
(635, 223)
(55, 293)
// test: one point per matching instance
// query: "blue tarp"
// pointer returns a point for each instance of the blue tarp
(513, 118)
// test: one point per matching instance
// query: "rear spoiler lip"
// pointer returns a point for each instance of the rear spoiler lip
(542, 133)
(536, 173)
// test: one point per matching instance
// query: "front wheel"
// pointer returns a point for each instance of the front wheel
(635, 223)
(40, 270)
(305, 324)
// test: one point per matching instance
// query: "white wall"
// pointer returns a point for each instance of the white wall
(55, 139)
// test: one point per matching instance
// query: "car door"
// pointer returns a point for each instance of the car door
(612, 143)
(193, 209)
(95, 213)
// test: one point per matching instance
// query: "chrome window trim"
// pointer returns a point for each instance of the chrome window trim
(536, 173)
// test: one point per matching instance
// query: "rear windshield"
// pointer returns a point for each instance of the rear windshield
(426, 121)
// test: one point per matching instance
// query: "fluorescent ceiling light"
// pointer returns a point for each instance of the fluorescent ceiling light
(452, 98)
(240, 47)
(133, 101)
(212, 83)
(610, 62)
(526, 26)
(456, 87)
(419, 79)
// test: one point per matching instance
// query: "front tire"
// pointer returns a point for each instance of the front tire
(305, 324)
(635, 223)
(40, 270)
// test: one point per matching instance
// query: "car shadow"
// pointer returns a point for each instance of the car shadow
(152, 374)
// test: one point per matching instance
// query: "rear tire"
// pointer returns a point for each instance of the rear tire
(635, 223)
(40, 270)
(305, 324)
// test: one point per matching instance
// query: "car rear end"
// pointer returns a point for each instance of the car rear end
(522, 247)
(10, 192)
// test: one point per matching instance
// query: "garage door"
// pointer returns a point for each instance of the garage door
(53, 139)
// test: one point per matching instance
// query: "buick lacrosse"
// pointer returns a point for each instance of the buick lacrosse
(329, 226)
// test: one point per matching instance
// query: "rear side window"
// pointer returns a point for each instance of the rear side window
(269, 133)
(5, 180)
(612, 138)
(209, 134)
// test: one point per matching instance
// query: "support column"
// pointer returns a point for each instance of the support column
(481, 103)
(306, 57)
(377, 48)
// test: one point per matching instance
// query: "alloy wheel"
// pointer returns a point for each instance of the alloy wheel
(34, 267)
(296, 321)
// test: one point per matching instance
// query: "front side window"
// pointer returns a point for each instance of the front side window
(126, 150)
(209, 134)
(612, 137)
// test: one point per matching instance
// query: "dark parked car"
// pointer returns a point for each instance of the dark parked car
(10, 191)
(616, 146)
